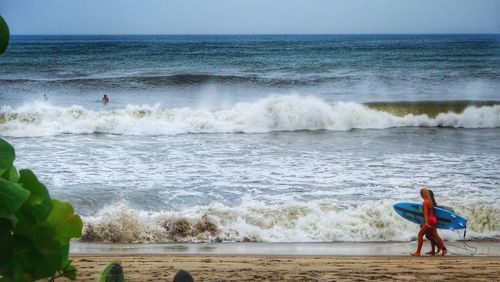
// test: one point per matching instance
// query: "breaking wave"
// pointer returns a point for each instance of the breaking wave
(274, 113)
(314, 221)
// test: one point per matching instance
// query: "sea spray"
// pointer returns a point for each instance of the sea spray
(120, 223)
(313, 221)
(274, 113)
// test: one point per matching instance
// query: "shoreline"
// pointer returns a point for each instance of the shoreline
(292, 268)
(484, 248)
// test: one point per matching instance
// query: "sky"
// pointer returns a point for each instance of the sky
(250, 16)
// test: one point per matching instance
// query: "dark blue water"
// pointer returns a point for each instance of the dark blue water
(334, 67)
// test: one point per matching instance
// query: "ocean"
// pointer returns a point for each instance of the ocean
(257, 138)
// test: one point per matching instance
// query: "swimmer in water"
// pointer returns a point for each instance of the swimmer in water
(429, 224)
(105, 99)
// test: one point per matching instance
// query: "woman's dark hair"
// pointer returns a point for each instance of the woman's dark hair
(432, 198)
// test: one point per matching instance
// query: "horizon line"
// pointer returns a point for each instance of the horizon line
(233, 34)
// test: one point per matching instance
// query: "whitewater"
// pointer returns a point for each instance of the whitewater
(304, 171)
(315, 221)
(274, 113)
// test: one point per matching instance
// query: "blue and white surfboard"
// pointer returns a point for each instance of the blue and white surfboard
(445, 219)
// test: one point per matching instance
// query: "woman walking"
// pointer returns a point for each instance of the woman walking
(429, 224)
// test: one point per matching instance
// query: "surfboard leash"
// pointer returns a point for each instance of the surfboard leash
(471, 250)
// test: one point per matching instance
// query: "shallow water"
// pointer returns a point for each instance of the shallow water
(279, 187)
(277, 249)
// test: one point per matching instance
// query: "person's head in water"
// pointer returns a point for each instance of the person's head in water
(424, 193)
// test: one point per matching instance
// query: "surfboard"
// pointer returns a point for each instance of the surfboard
(445, 219)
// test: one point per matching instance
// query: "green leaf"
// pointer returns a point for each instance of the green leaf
(38, 206)
(36, 252)
(69, 271)
(4, 35)
(7, 154)
(12, 197)
(66, 225)
(11, 175)
(112, 273)
(6, 227)
(65, 222)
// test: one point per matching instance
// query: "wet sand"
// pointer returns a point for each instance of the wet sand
(293, 268)
(484, 248)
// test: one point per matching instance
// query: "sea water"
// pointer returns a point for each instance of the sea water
(274, 138)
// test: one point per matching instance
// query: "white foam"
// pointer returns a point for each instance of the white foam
(313, 221)
(274, 113)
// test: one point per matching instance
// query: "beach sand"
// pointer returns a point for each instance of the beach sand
(293, 268)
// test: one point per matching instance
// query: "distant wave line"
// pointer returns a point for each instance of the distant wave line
(170, 80)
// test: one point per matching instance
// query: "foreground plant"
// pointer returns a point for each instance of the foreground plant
(4, 35)
(35, 230)
(112, 273)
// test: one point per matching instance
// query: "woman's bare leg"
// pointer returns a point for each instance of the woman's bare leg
(439, 241)
(420, 240)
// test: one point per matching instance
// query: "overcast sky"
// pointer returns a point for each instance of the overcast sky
(250, 16)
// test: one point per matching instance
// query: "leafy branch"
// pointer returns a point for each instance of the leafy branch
(35, 230)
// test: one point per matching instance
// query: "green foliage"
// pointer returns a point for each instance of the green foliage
(35, 230)
(7, 156)
(12, 197)
(4, 35)
(112, 273)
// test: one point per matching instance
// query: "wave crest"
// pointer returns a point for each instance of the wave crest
(314, 221)
(275, 113)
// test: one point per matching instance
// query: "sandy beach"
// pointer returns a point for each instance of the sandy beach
(294, 268)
